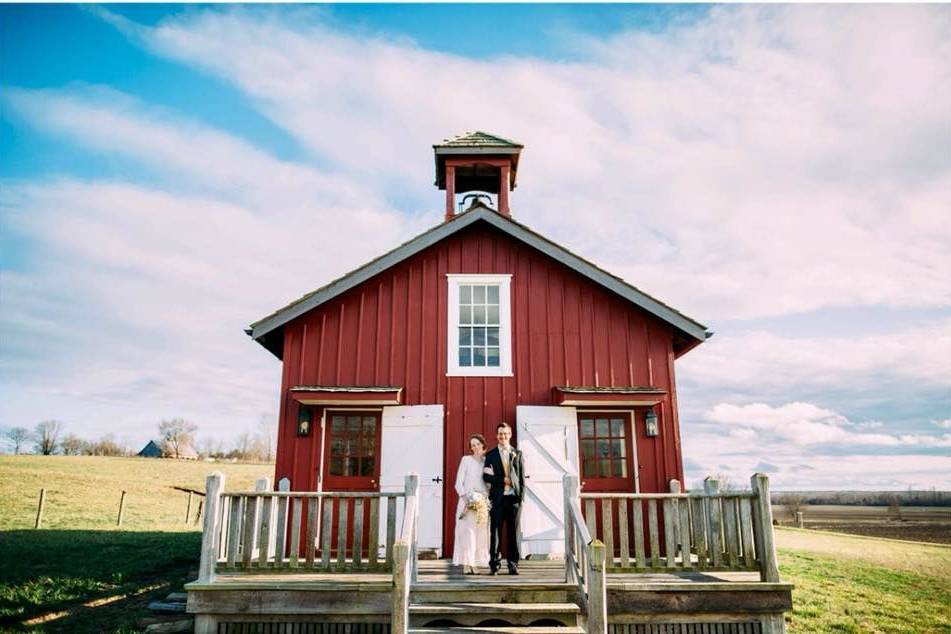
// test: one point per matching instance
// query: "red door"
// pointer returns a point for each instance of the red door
(607, 463)
(351, 463)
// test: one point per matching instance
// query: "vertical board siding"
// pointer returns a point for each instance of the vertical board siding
(391, 330)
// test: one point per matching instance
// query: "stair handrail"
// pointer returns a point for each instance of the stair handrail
(405, 571)
(585, 559)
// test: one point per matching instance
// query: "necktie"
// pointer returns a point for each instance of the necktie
(506, 461)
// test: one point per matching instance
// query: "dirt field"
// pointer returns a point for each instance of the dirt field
(912, 523)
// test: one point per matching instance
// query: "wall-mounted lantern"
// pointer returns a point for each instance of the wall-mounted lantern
(304, 418)
(650, 424)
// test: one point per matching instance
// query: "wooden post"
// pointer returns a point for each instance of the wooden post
(399, 616)
(261, 485)
(597, 588)
(39, 509)
(763, 528)
(188, 509)
(799, 520)
(412, 489)
(504, 190)
(214, 485)
(279, 549)
(570, 486)
(198, 513)
(450, 191)
(711, 486)
(121, 509)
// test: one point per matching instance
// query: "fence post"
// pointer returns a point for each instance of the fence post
(214, 485)
(763, 528)
(799, 520)
(711, 487)
(39, 509)
(570, 486)
(597, 588)
(412, 489)
(399, 615)
(121, 509)
(188, 509)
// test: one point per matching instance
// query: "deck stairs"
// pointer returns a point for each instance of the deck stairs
(530, 608)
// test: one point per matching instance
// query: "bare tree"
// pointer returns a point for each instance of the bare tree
(894, 507)
(794, 503)
(46, 436)
(176, 434)
(73, 445)
(268, 431)
(18, 436)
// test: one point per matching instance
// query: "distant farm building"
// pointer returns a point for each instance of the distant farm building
(151, 450)
(154, 450)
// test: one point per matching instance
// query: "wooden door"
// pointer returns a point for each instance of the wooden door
(351, 463)
(606, 443)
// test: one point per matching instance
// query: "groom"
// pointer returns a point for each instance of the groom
(504, 472)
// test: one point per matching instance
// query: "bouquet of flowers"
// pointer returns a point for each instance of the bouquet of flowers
(478, 503)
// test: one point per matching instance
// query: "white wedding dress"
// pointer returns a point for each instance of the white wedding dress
(472, 539)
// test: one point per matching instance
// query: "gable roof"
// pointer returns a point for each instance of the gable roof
(268, 331)
(478, 139)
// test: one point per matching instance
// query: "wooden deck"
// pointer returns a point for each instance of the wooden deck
(544, 572)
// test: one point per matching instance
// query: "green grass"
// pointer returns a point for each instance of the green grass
(79, 573)
(849, 584)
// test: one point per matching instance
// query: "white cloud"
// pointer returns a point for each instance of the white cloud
(759, 162)
(944, 424)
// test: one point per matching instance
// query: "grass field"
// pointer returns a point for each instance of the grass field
(79, 574)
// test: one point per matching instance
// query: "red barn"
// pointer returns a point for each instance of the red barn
(478, 320)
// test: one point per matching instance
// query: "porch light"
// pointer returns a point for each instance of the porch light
(303, 420)
(650, 423)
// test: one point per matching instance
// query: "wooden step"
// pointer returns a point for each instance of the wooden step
(544, 629)
(489, 610)
(492, 593)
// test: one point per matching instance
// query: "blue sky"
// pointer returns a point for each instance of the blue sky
(760, 168)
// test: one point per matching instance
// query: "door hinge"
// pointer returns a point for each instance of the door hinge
(437, 479)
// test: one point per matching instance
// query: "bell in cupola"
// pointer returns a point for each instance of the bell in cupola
(477, 162)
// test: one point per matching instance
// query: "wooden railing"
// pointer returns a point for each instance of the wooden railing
(404, 559)
(666, 532)
(290, 530)
(585, 560)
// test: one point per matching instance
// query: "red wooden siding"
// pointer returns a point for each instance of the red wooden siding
(391, 330)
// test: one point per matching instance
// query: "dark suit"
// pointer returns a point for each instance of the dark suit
(505, 508)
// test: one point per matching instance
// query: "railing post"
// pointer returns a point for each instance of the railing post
(214, 485)
(763, 528)
(399, 613)
(597, 588)
(572, 492)
(711, 487)
(412, 489)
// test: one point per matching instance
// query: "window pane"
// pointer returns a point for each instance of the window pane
(478, 314)
(353, 424)
(617, 448)
(366, 467)
(465, 336)
(352, 466)
(369, 426)
(587, 428)
(465, 315)
(603, 428)
(604, 448)
(478, 294)
(492, 336)
(478, 336)
(589, 469)
(337, 424)
(492, 294)
(587, 448)
(620, 468)
(465, 294)
(465, 356)
(492, 357)
(604, 468)
(492, 315)
(336, 466)
(478, 357)
(617, 427)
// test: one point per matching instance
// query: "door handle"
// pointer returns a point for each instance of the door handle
(437, 479)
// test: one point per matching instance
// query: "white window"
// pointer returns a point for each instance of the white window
(480, 325)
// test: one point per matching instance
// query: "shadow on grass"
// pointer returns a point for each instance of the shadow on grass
(88, 581)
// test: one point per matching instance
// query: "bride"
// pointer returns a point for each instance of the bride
(472, 523)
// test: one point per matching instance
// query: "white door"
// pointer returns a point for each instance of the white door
(412, 442)
(548, 438)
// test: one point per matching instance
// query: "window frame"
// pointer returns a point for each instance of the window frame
(504, 282)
